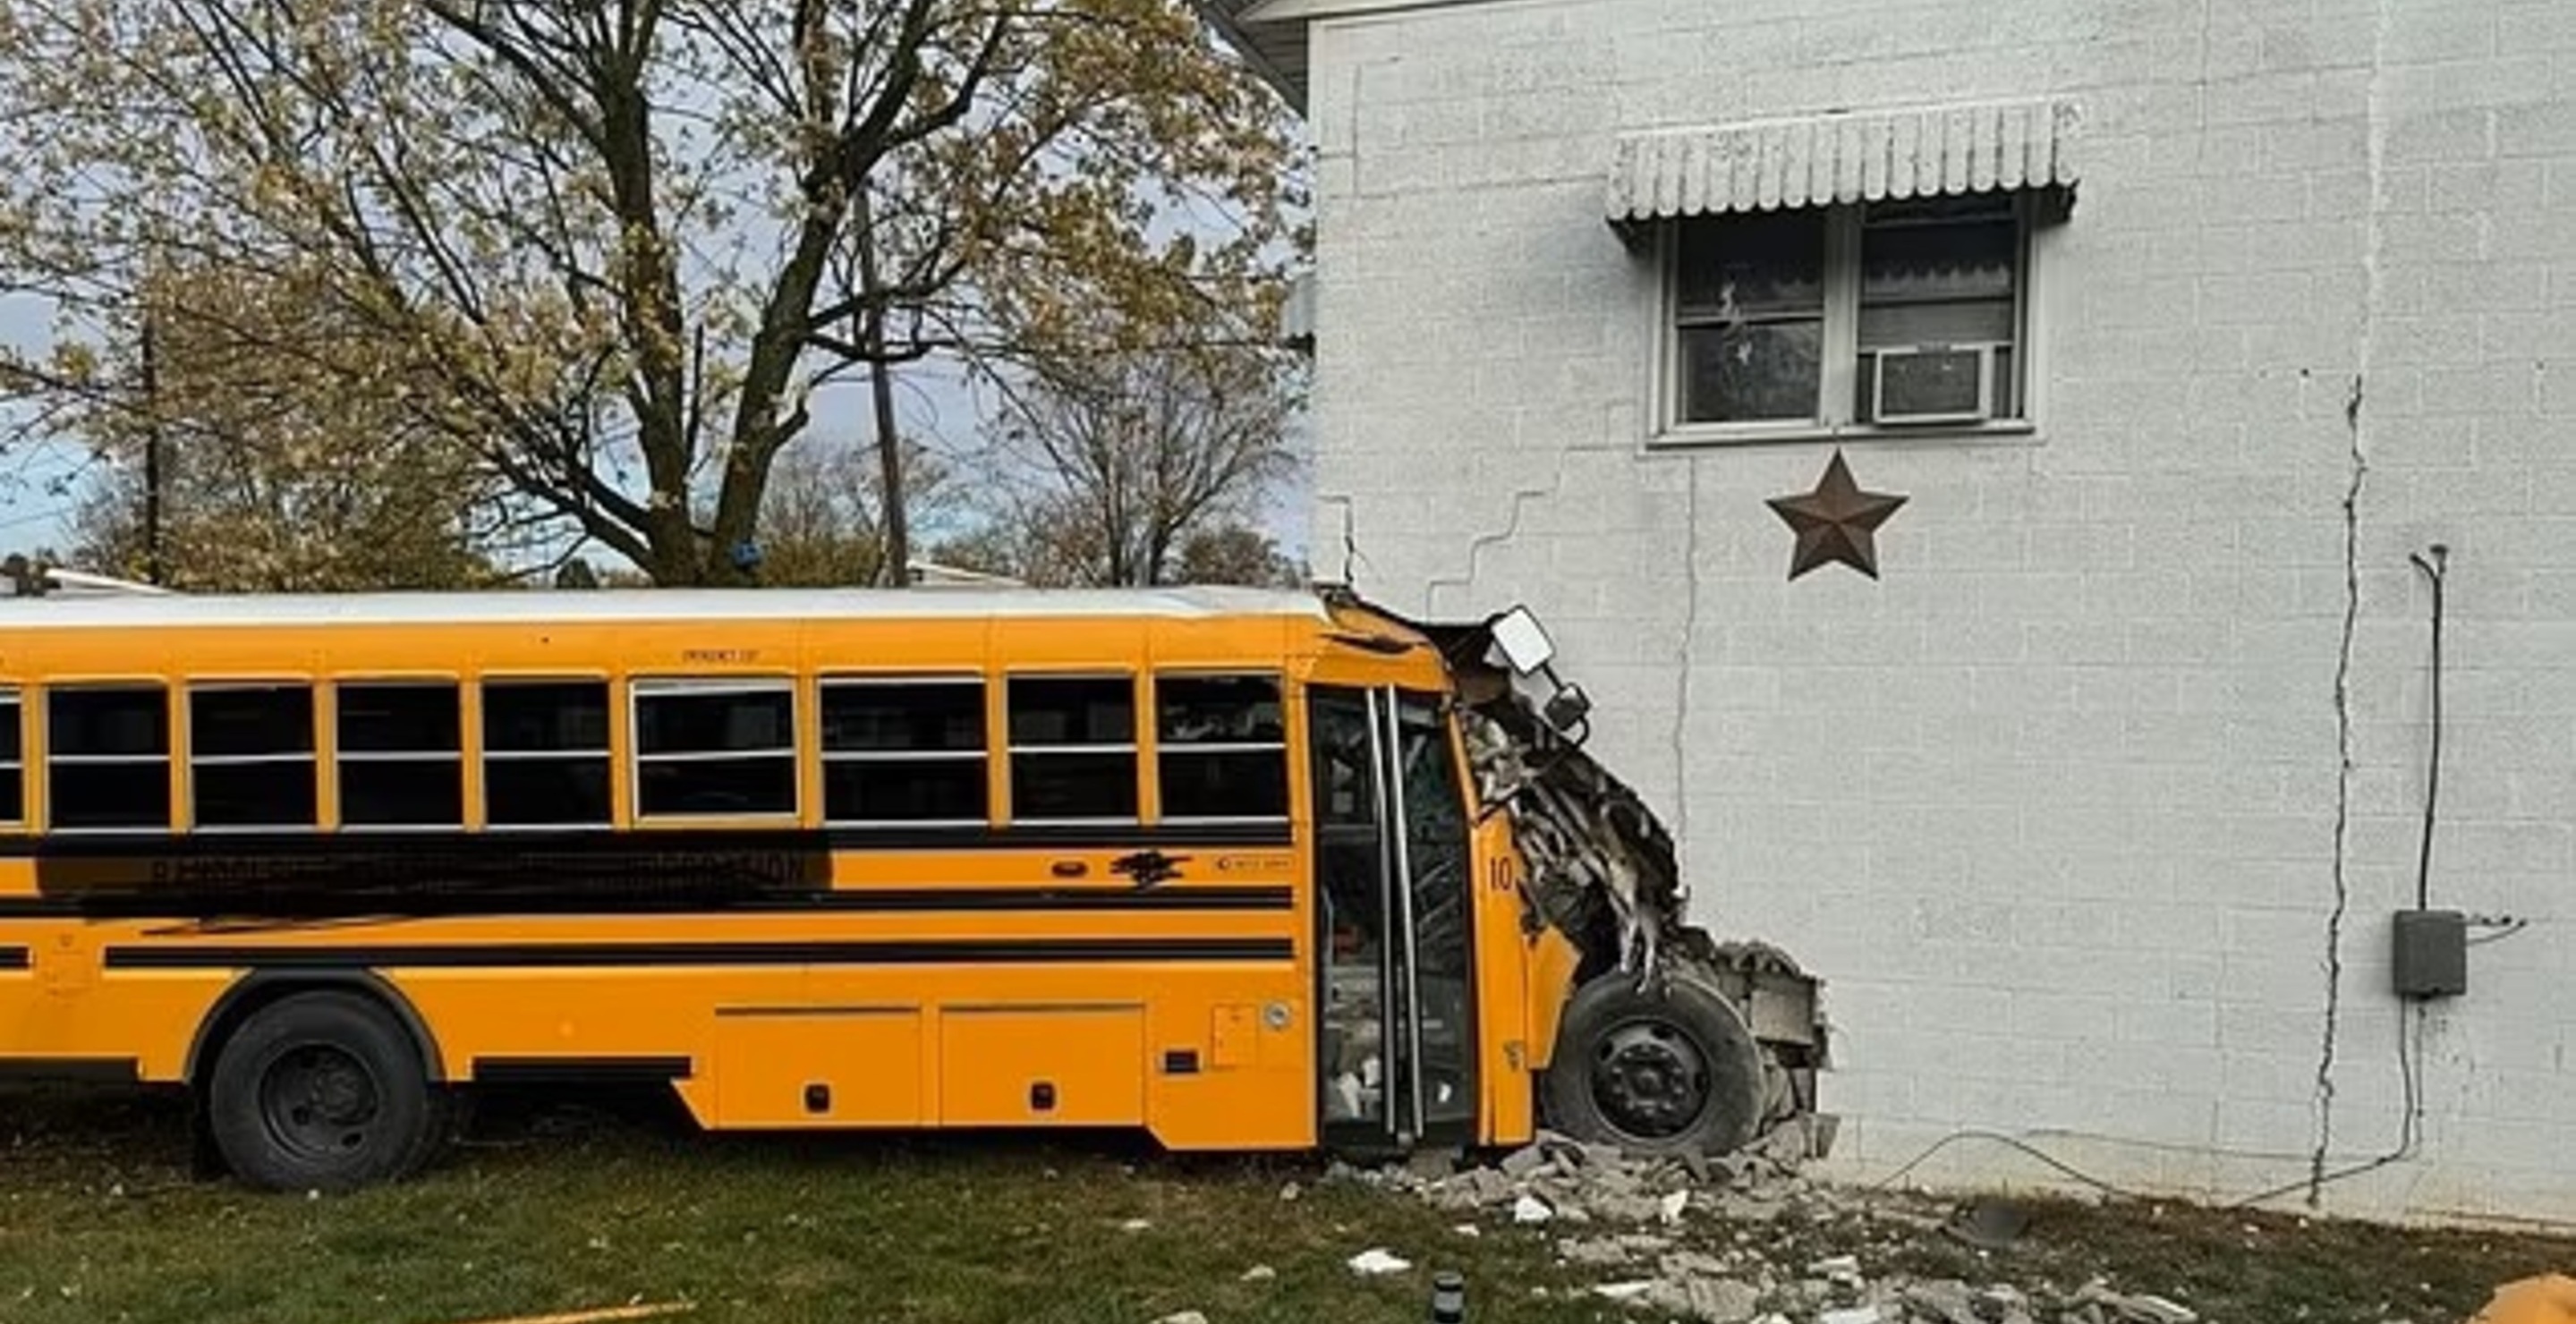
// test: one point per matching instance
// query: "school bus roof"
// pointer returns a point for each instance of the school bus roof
(655, 605)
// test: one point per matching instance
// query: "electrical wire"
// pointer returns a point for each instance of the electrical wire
(2410, 1069)
(2437, 569)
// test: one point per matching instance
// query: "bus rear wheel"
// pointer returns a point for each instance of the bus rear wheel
(1668, 1069)
(321, 1091)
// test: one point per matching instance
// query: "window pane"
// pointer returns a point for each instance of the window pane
(1748, 266)
(1251, 785)
(109, 795)
(546, 715)
(717, 788)
(13, 795)
(1218, 710)
(533, 792)
(1072, 711)
(250, 720)
(253, 795)
(1968, 323)
(1073, 786)
(1761, 370)
(399, 719)
(948, 790)
(125, 720)
(679, 722)
(393, 793)
(865, 717)
(1969, 258)
(12, 731)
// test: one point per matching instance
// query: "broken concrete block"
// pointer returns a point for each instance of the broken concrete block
(1714, 1300)
(1854, 1315)
(1376, 1260)
(1596, 1252)
(1524, 1162)
(1259, 1273)
(2154, 1310)
(1183, 1317)
(1944, 1300)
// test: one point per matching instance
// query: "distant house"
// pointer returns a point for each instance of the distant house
(2180, 327)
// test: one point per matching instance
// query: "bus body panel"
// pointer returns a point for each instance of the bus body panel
(1006, 974)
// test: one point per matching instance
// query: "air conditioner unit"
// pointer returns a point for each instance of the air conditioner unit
(1920, 384)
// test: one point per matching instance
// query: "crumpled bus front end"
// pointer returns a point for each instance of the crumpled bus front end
(1667, 1038)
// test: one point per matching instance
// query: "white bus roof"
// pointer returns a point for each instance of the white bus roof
(649, 605)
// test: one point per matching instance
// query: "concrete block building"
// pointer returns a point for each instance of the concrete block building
(2183, 327)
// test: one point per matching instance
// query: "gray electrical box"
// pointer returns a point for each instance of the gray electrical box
(2432, 954)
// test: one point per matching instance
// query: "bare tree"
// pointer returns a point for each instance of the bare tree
(1121, 460)
(825, 521)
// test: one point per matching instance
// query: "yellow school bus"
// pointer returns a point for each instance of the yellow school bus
(1210, 863)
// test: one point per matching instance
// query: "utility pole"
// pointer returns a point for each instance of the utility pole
(896, 572)
(152, 566)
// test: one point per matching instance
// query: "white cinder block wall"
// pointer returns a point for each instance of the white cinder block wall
(2095, 809)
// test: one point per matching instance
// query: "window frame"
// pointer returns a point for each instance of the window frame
(1140, 721)
(679, 685)
(1164, 748)
(13, 758)
(173, 730)
(311, 758)
(468, 739)
(485, 756)
(981, 755)
(1839, 376)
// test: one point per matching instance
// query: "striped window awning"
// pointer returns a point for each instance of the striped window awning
(1820, 160)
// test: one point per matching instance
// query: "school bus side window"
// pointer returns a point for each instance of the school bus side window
(545, 753)
(250, 756)
(904, 750)
(715, 748)
(401, 754)
(13, 759)
(107, 758)
(1073, 748)
(1222, 747)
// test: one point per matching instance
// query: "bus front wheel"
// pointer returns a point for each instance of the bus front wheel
(321, 1091)
(1665, 1069)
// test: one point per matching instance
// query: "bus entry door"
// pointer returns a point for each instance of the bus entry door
(1396, 947)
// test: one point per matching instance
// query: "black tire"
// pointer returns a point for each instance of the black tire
(1671, 1069)
(322, 1091)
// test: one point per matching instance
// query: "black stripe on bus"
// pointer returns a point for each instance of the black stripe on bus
(581, 1070)
(15, 958)
(511, 845)
(600, 955)
(601, 902)
(84, 1070)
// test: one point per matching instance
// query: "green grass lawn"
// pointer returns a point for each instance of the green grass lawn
(559, 1209)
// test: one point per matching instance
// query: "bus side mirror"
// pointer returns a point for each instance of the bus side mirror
(1522, 641)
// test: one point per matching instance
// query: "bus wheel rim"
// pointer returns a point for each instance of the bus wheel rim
(319, 1101)
(1649, 1080)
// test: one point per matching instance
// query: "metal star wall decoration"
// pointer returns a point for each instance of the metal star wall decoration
(1834, 522)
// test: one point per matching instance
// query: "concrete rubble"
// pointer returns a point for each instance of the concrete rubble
(1743, 1238)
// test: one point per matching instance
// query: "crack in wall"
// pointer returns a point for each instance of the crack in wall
(2357, 461)
(1689, 638)
(1521, 497)
(2325, 1092)
(1352, 557)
